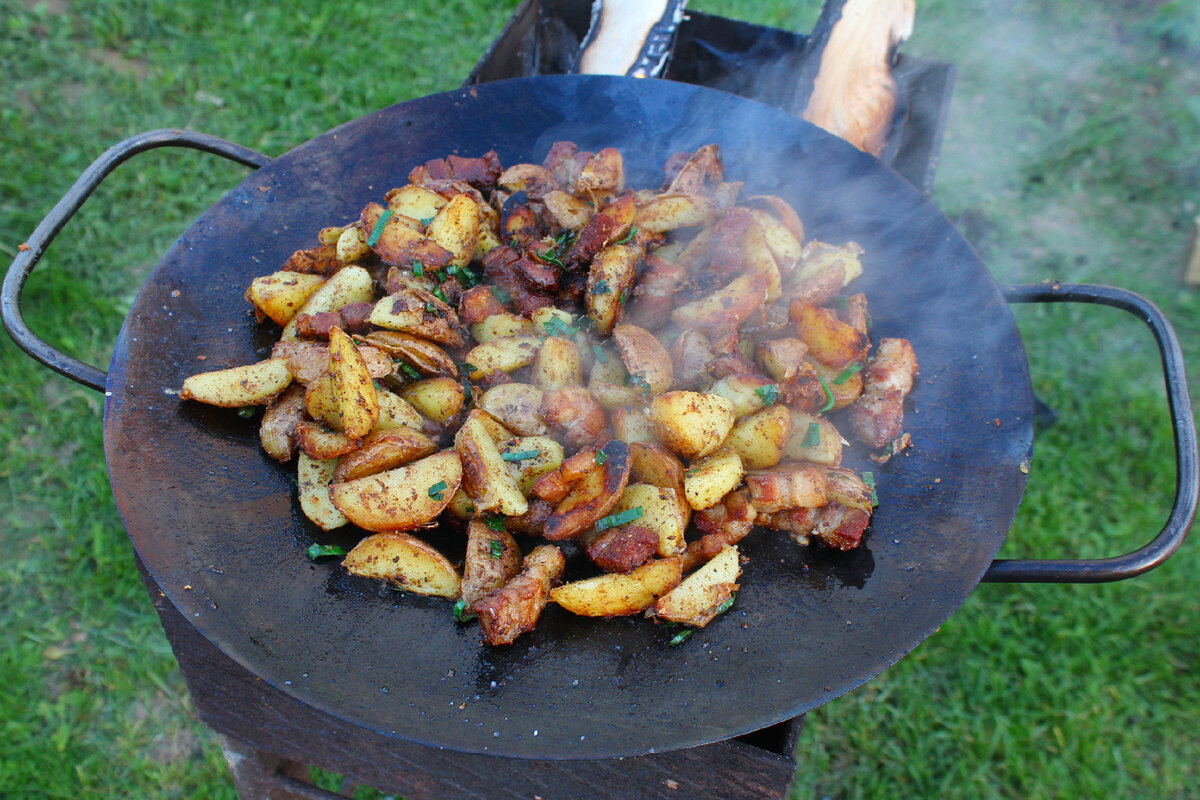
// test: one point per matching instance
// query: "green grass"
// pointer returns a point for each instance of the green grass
(1071, 154)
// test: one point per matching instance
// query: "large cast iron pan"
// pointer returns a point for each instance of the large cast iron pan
(217, 524)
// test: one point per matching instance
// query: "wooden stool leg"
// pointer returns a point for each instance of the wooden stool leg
(258, 775)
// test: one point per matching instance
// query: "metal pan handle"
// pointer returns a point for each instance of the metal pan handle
(72, 201)
(1187, 484)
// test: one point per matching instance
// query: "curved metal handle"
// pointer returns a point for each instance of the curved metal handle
(31, 252)
(1187, 484)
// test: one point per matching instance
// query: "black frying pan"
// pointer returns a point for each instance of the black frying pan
(217, 524)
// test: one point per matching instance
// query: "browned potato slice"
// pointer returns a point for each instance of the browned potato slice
(281, 295)
(313, 477)
(499, 326)
(632, 425)
(492, 559)
(516, 406)
(321, 443)
(696, 600)
(383, 450)
(819, 256)
(415, 202)
(415, 311)
(781, 358)
(506, 354)
(662, 513)
(403, 498)
(759, 258)
(456, 228)
(309, 360)
(814, 439)
(558, 364)
(610, 282)
(352, 245)
(425, 356)
(249, 385)
(747, 393)
(398, 243)
(526, 471)
(566, 210)
(461, 505)
(654, 464)
(277, 432)
(614, 594)
(603, 173)
(321, 402)
(609, 382)
(593, 496)
(436, 398)
(395, 412)
(346, 286)
(844, 386)
(485, 475)
(516, 607)
(783, 243)
(668, 212)
(646, 360)
(829, 340)
(734, 303)
(358, 402)
(710, 479)
(532, 179)
(404, 561)
(690, 423)
(331, 235)
(761, 438)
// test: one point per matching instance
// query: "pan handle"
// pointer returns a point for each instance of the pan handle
(1187, 484)
(33, 248)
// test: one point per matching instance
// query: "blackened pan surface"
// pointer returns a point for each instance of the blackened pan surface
(218, 525)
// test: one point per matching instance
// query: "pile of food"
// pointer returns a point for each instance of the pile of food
(645, 376)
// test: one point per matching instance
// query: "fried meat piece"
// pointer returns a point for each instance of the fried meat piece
(877, 417)
(515, 608)
(623, 549)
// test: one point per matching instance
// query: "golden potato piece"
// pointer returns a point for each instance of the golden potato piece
(346, 286)
(281, 295)
(485, 474)
(436, 398)
(710, 479)
(516, 406)
(313, 477)
(662, 513)
(499, 326)
(690, 423)
(415, 202)
(703, 594)
(277, 431)
(615, 595)
(404, 561)
(403, 498)
(322, 443)
(610, 283)
(395, 412)
(394, 239)
(814, 439)
(830, 341)
(248, 385)
(506, 354)
(558, 364)
(631, 425)
(492, 559)
(668, 212)
(456, 228)
(353, 388)
(593, 496)
(761, 438)
(530, 457)
(383, 450)
(646, 360)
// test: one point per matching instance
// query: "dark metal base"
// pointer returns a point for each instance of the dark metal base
(269, 738)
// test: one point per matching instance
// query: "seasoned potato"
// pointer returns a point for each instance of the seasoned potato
(395, 412)
(610, 281)
(746, 392)
(690, 423)
(632, 425)
(346, 286)
(593, 496)
(280, 296)
(609, 382)
(313, 477)
(501, 325)
(568, 211)
(547, 455)
(761, 260)
(830, 341)
(735, 303)
(277, 432)
(558, 364)
(415, 202)
(781, 358)
(436, 398)
(814, 439)
(761, 438)
(383, 450)
(516, 406)
(397, 240)
(702, 594)
(403, 498)
(415, 311)
(708, 480)
(485, 474)
(504, 354)
(783, 243)
(661, 513)
(321, 402)
(308, 360)
(844, 386)
(654, 464)
(456, 228)
(818, 256)
(249, 385)
(615, 595)
(646, 360)
(404, 561)
(352, 245)
(492, 559)
(358, 402)
(667, 212)
(322, 443)
(425, 356)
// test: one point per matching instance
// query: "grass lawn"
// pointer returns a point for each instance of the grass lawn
(1071, 154)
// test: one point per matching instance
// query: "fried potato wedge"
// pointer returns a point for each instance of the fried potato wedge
(814, 439)
(733, 304)
(383, 450)
(698, 599)
(346, 286)
(395, 412)
(761, 438)
(501, 325)
(610, 278)
(277, 431)
(616, 595)
(558, 364)
(668, 212)
(404, 561)
(691, 423)
(630, 425)
(415, 311)
(313, 477)
(485, 474)
(747, 393)
(280, 296)
(516, 406)
(492, 559)
(358, 402)
(401, 499)
(646, 360)
(456, 228)
(504, 354)
(830, 341)
(439, 399)
(352, 245)
(592, 497)
(396, 241)
(320, 442)
(425, 356)
(710, 479)
(526, 468)
(661, 512)
(415, 202)
(248, 385)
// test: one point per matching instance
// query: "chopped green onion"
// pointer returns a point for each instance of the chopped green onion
(519, 455)
(380, 224)
(466, 385)
(691, 473)
(418, 268)
(431, 308)
(549, 256)
(769, 394)
(437, 490)
(830, 400)
(496, 548)
(869, 479)
(316, 551)
(848, 373)
(460, 612)
(601, 457)
(556, 326)
(501, 295)
(728, 604)
(425, 221)
(643, 385)
(603, 359)
(495, 523)
(632, 233)
(439, 294)
(678, 638)
(624, 298)
(613, 520)
(813, 437)
(601, 287)
(246, 412)
(469, 368)
(408, 370)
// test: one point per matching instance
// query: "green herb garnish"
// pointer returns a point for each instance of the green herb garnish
(550, 257)
(500, 294)
(869, 479)
(418, 268)
(678, 638)
(439, 294)
(380, 224)
(812, 437)
(624, 298)
(431, 308)
(613, 520)
(848, 373)
(555, 326)
(408, 370)
(460, 612)
(519, 455)
(468, 367)
(601, 287)
(632, 233)
(769, 394)
(643, 385)
(603, 359)
(437, 491)
(316, 551)
(830, 400)
(497, 549)
(495, 523)
(728, 604)
(601, 457)
(246, 412)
